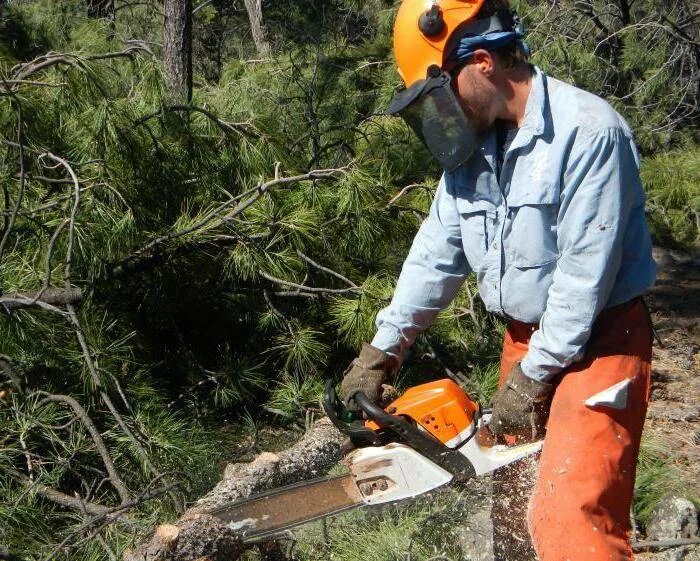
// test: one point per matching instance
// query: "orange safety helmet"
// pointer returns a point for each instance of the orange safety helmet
(423, 29)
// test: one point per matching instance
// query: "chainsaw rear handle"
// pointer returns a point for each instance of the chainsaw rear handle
(394, 429)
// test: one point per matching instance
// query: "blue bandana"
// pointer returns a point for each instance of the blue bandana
(490, 40)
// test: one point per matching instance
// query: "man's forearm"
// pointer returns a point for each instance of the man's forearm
(433, 272)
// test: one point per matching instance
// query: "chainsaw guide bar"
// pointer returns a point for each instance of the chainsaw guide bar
(286, 507)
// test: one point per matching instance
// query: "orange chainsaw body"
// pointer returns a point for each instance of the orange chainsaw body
(441, 407)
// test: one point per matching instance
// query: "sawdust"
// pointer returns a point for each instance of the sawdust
(512, 488)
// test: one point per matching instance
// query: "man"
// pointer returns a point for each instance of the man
(541, 198)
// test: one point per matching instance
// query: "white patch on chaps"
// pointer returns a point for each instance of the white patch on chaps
(614, 397)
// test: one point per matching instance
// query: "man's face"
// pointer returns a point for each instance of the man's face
(476, 96)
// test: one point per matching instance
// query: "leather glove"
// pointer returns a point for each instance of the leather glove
(521, 406)
(367, 373)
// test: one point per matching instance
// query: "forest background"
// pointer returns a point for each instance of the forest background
(187, 253)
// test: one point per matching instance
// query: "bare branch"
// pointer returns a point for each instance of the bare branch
(46, 299)
(49, 254)
(23, 71)
(63, 499)
(309, 288)
(292, 294)
(225, 126)
(326, 269)
(20, 194)
(74, 211)
(406, 190)
(114, 478)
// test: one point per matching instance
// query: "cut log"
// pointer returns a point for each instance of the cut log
(199, 535)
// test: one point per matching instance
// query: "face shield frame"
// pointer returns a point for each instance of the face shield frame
(431, 108)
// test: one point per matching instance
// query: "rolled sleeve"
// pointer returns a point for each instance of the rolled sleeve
(602, 187)
(431, 275)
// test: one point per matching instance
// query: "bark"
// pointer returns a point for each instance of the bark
(177, 50)
(198, 535)
(257, 27)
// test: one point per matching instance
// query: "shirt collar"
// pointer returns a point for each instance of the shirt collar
(533, 121)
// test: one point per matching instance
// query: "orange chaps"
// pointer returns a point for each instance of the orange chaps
(580, 507)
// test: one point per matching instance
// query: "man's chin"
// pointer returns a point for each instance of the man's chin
(480, 126)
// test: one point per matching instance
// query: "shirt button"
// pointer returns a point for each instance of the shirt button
(495, 245)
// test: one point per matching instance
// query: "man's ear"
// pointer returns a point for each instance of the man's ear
(484, 61)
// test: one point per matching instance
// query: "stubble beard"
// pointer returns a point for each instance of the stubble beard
(476, 106)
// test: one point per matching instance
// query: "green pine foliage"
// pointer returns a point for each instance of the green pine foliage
(201, 321)
(672, 180)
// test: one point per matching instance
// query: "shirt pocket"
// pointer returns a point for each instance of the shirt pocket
(474, 225)
(532, 241)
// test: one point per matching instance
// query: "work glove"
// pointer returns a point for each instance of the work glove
(521, 406)
(368, 373)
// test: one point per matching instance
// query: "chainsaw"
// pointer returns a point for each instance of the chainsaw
(427, 438)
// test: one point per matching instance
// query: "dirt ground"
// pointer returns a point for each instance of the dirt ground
(674, 410)
(673, 418)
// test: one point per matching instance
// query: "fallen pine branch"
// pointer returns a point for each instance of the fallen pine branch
(23, 71)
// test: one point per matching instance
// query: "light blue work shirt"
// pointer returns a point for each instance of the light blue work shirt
(559, 238)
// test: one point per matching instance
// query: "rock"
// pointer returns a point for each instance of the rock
(669, 258)
(673, 518)
(662, 257)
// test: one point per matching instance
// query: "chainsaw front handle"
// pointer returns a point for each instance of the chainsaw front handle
(346, 420)
(393, 428)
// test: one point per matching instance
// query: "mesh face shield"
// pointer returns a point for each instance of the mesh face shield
(432, 110)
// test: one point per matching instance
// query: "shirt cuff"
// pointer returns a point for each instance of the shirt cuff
(389, 339)
(536, 372)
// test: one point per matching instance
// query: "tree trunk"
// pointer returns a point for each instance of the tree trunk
(100, 8)
(257, 27)
(177, 50)
(198, 535)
